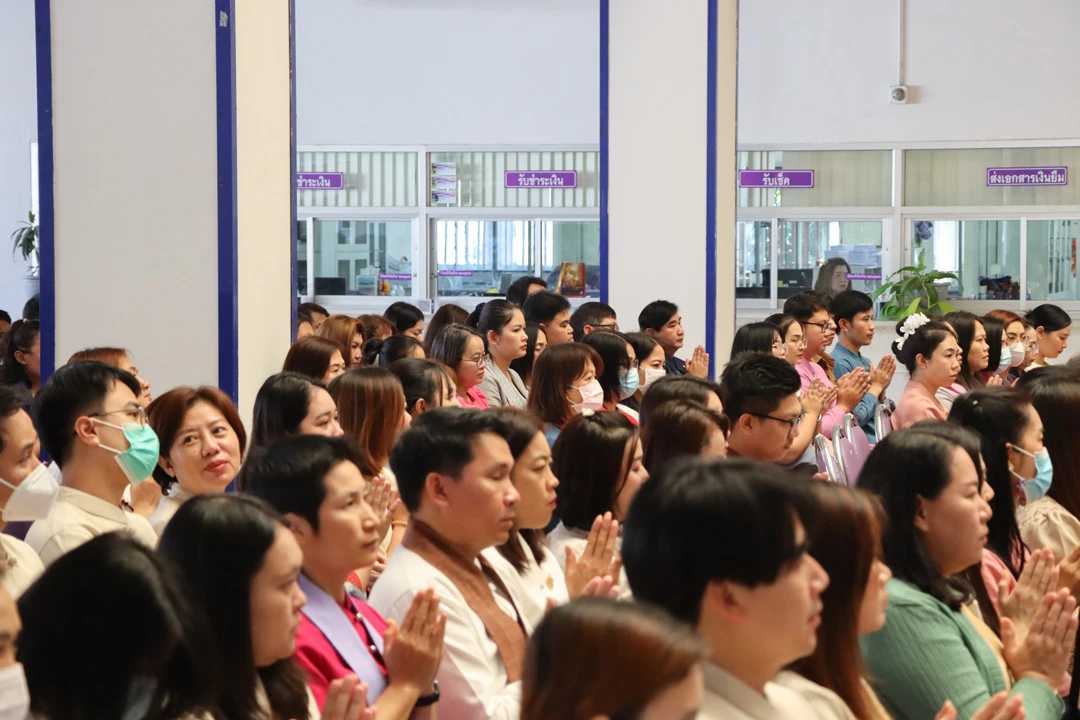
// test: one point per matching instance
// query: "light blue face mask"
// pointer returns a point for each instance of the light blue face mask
(1036, 488)
(141, 457)
(629, 382)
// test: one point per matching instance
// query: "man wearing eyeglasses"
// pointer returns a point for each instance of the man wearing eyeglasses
(761, 398)
(813, 310)
(593, 316)
(91, 423)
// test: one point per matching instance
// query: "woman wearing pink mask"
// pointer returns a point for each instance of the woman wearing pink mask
(564, 383)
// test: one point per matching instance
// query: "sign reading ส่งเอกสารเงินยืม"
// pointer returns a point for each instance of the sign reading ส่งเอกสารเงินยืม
(776, 178)
(1026, 176)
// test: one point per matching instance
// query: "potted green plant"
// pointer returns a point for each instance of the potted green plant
(24, 241)
(914, 289)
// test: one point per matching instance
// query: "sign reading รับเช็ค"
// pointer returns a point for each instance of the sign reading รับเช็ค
(776, 178)
(517, 179)
(320, 181)
(1026, 176)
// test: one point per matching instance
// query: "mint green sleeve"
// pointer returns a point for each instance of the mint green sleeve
(920, 659)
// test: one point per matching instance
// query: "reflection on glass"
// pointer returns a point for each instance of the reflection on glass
(482, 257)
(1051, 259)
(570, 247)
(363, 257)
(985, 254)
(752, 257)
(829, 256)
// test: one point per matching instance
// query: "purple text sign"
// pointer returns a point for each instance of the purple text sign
(776, 178)
(320, 181)
(1025, 176)
(395, 276)
(542, 179)
(864, 276)
(455, 273)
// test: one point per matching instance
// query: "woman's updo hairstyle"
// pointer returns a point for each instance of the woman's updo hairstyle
(921, 341)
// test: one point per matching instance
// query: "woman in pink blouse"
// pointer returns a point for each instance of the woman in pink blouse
(461, 348)
(930, 352)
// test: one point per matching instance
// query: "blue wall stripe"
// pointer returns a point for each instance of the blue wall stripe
(292, 164)
(228, 339)
(604, 151)
(710, 190)
(46, 208)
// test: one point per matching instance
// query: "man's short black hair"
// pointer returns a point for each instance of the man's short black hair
(32, 309)
(703, 521)
(542, 307)
(5, 316)
(656, 314)
(802, 306)
(12, 400)
(756, 383)
(291, 473)
(75, 390)
(590, 313)
(310, 307)
(439, 441)
(849, 303)
(518, 292)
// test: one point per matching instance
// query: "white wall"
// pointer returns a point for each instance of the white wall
(18, 128)
(384, 72)
(820, 72)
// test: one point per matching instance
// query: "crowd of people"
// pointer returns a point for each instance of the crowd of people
(521, 511)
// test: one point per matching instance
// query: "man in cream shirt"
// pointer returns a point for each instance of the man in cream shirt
(722, 547)
(453, 471)
(92, 425)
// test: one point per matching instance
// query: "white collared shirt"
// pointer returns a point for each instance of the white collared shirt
(22, 565)
(472, 677)
(168, 506)
(729, 698)
(532, 588)
(78, 517)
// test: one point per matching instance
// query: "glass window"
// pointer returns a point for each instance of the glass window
(847, 252)
(363, 257)
(301, 257)
(571, 254)
(962, 177)
(842, 178)
(563, 179)
(482, 257)
(356, 179)
(1051, 260)
(985, 254)
(752, 259)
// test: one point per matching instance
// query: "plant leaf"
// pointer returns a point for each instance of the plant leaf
(912, 307)
(946, 307)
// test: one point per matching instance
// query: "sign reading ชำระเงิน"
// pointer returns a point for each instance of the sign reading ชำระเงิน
(864, 276)
(1026, 176)
(540, 179)
(776, 178)
(320, 181)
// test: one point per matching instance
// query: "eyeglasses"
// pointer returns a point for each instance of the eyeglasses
(825, 326)
(793, 422)
(136, 413)
(609, 326)
(781, 346)
(633, 364)
(479, 360)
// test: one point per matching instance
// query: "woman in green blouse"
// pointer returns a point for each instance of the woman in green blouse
(933, 648)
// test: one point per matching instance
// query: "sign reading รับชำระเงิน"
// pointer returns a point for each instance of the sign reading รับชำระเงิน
(540, 179)
(776, 178)
(1026, 176)
(320, 181)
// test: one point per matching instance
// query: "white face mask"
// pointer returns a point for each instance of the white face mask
(32, 499)
(1017, 352)
(651, 376)
(14, 693)
(1006, 361)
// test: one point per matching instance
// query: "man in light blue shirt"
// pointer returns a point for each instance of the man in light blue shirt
(854, 315)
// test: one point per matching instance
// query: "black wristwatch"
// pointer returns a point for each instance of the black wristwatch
(428, 700)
